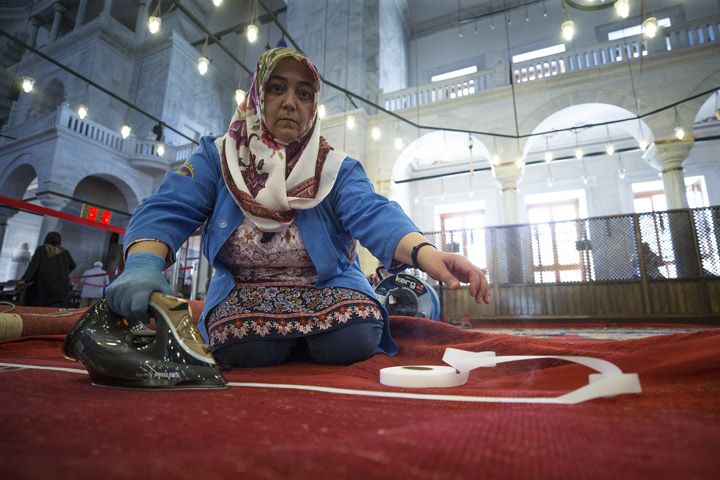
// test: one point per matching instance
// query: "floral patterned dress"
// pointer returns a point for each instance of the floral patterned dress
(275, 295)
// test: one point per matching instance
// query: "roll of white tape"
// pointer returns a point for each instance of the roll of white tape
(422, 376)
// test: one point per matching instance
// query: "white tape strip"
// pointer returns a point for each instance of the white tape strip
(422, 376)
(609, 382)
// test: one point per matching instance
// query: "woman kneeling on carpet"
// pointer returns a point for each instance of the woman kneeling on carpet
(281, 209)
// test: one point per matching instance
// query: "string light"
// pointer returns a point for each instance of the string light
(350, 122)
(217, 3)
(82, 111)
(203, 63)
(622, 8)
(398, 143)
(252, 33)
(239, 96)
(28, 83)
(679, 130)
(155, 20)
(154, 24)
(160, 149)
(376, 133)
(548, 153)
(125, 131)
(568, 26)
(609, 148)
(650, 27)
(643, 144)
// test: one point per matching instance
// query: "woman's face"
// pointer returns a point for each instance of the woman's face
(289, 100)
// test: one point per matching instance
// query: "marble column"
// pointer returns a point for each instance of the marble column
(142, 18)
(508, 248)
(80, 16)
(668, 156)
(5, 215)
(51, 224)
(107, 9)
(57, 18)
(508, 176)
(34, 26)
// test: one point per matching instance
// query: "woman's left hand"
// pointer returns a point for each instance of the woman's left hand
(452, 269)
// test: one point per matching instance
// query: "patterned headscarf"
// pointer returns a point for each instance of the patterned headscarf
(268, 179)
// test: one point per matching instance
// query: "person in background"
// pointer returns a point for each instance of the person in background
(49, 272)
(283, 211)
(93, 281)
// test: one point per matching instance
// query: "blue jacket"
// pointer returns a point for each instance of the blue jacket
(196, 193)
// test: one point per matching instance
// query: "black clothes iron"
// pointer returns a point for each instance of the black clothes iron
(119, 355)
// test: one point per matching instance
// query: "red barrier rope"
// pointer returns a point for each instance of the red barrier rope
(32, 208)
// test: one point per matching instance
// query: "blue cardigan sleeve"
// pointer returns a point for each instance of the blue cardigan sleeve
(375, 221)
(181, 203)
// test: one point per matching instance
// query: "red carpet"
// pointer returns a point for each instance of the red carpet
(56, 425)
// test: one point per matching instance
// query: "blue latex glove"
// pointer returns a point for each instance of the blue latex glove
(129, 294)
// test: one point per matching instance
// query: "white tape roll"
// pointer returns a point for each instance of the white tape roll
(422, 376)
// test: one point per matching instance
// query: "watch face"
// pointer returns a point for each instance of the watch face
(590, 4)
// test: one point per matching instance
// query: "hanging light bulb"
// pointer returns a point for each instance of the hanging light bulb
(621, 173)
(492, 23)
(643, 144)
(321, 111)
(82, 111)
(679, 130)
(125, 131)
(376, 133)
(548, 156)
(252, 33)
(519, 163)
(550, 181)
(203, 63)
(28, 83)
(609, 148)
(154, 24)
(579, 153)
(239, 96)
(650, 27)
(568, 30)
(622, 8)
(160, 149)
(217, 3)
(350, 122)
(496, 159)
(445, 156)
(416, 200)
(398, 143)
(584, 179)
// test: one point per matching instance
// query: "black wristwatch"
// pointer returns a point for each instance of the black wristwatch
(415, 251)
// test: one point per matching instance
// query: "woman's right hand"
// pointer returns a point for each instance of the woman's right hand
(129, 294)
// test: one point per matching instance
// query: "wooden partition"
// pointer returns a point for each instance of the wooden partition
(667, 300)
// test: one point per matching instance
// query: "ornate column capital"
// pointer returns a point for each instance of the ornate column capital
(668, 155)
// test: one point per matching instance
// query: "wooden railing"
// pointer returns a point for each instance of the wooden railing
(663, 266)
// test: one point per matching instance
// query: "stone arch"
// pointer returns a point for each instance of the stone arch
(588, 113)
(16, 182)
(428, 150)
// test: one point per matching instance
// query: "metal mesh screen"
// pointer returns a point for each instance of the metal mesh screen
(657, 245)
